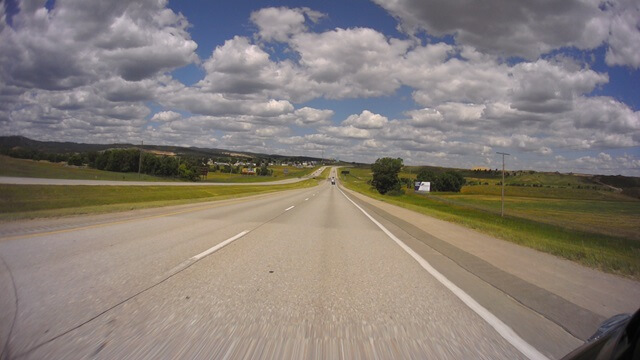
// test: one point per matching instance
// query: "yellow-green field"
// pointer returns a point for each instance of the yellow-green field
(597, 228)
(43, 169)
(30, 201)
(278, 174)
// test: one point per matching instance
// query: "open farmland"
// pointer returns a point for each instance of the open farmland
(43, 169)
(278, 174)
(565, 215)
(31, 201)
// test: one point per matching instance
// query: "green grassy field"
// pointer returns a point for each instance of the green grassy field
(278, 174)
(30, 201)
(593, 227)
(43, 169)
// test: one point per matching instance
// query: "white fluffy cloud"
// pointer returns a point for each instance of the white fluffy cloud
(80, 42)
(527, 29)
(366, 120)
(279, 24)
(313, 117)
(93, 71)
(349, 132)
(624, 33)
(345, 63)
(166, 116)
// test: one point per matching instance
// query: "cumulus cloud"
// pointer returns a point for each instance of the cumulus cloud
(82, 70)
(427, 117)
(515, 28)
(87, 68)
(366, 120)
(80, 42)
(624, 34)
(350, 132)
(166, 116)
(281, 23)
(542, 87)
(307, 116)
(350, 62)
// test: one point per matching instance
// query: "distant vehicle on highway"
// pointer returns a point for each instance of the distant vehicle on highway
(333, 181)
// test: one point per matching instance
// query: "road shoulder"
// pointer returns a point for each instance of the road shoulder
(572, 296)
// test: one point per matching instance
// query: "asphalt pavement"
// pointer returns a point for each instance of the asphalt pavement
(304, 273)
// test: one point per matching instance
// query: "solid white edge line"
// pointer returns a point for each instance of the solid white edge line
(289, 208)
(219, 246)
(503, 329)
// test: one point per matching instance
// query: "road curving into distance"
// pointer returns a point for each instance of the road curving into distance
(307, 273)
(41, 181)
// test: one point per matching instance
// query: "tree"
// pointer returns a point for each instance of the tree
(385, 175)
(450, 181)
(263, 170)
(426, 175)
(75, 159)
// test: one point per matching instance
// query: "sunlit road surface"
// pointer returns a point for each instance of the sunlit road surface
(302, 274)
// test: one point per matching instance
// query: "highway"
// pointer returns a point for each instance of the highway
(44, 181)
(307, 274)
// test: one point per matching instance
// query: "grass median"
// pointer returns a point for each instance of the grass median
(568, 237)
(279, 173)
(32, 201)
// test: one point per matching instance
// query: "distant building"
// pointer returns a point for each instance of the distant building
(248, 171)
(480, 168)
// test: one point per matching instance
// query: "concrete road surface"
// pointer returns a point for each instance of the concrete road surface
(43, 181)
(299, 274)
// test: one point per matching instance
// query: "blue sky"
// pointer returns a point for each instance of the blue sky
(431, 81)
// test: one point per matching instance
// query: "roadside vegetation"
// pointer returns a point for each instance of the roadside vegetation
(278, 172)
(45, 169)
(168, 162)
(325, 174)
(50, 170)
(31, 201)
(570, 216)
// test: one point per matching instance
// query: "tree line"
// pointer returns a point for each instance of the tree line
(386, 181)
(128, 160)
(120, 160)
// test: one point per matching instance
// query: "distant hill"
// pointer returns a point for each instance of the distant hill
(55, 147)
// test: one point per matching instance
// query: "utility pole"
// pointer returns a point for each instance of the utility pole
(140, 158)
(322, 160)
(503, 154)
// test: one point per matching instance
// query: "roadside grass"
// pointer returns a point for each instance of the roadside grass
(278, 174)
(550, 179)
(614, 218)
(546, 193)
(31, 201)
(43, 169)
(325, 174)
(581, 230)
